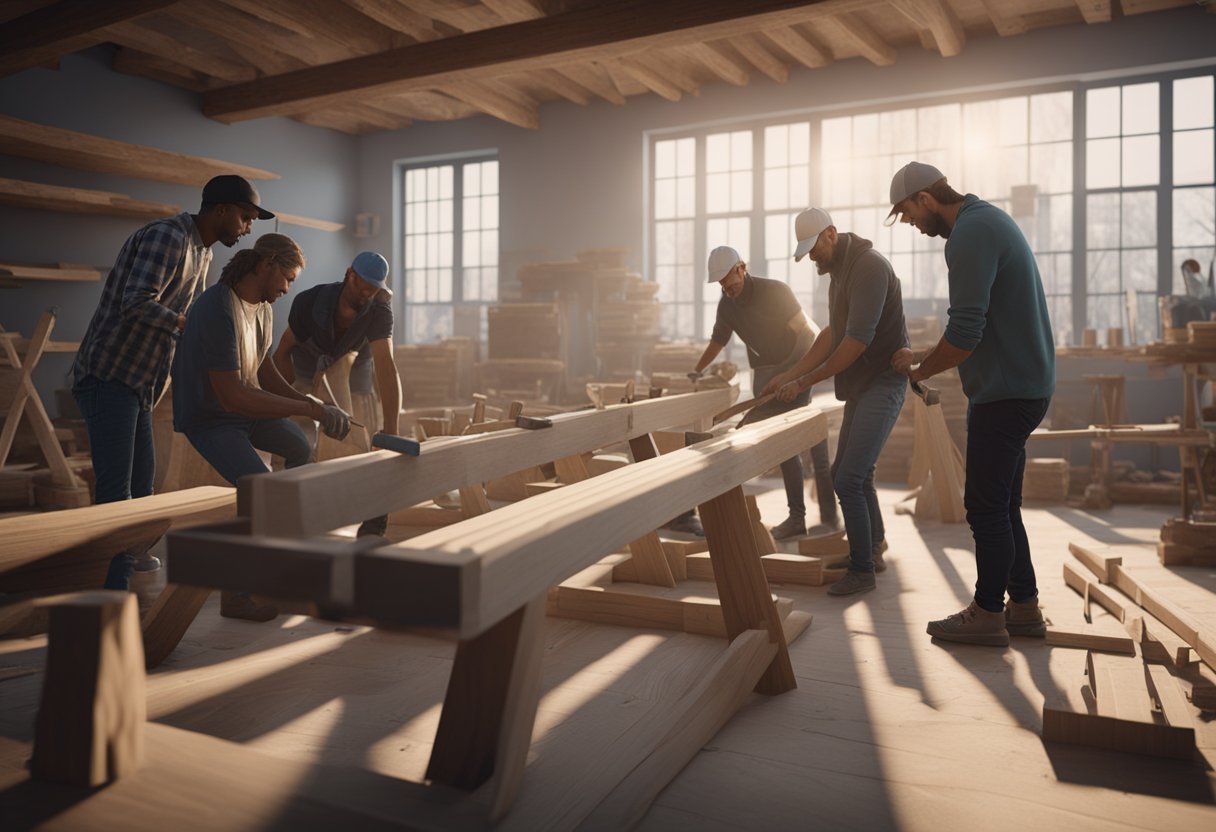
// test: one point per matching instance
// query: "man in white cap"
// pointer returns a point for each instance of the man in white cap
(768, 319)
(865, 328)
(352, 315)
(999, 336)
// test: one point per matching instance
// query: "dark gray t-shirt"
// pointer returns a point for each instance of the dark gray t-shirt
(761, 316)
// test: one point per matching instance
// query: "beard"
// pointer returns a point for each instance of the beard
(936, 226)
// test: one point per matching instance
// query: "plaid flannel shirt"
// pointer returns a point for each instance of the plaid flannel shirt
(159, 272)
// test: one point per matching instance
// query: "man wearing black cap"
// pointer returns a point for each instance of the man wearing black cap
(999, 336)
(123, 362)
(352, 315)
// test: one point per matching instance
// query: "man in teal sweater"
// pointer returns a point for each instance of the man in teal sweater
(999, 337)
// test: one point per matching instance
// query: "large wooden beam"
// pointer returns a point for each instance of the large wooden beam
(602, 31)
(301, 501)
(67, 26)
(1095, 11)
(95, 153)
(941, 21)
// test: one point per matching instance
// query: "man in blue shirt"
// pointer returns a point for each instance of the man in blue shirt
(122, 366)
(865, 328)
(330, 320)
(999, 336)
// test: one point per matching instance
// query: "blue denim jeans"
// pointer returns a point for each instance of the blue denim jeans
(868, 419)
(124, 457)
(792, 472)
(229, 446)
(996, 458)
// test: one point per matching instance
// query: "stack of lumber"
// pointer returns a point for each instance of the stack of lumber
(609, 258)
(1202, 334)
(525, 330)
(531, 380)
(1187, 542)
(674, 357)
(627, 329)
(429, 373)
(1046, 479)
(1135, 702)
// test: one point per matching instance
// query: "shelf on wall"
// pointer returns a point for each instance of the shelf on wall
(80, 201)
(94, 153)
(309, 222)
(11, 273)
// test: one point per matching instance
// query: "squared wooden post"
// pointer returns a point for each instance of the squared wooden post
(90, 725)
(485, 726)
(747, 603)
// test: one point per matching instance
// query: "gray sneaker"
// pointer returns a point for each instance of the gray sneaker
(853, 583)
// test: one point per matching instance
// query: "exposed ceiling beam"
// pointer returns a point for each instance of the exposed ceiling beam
(129, 61)
(598, 32)
(513, 11)
(428, 106)
(719, 62)
(750, 47)
(800, 47)
(563, 85)
(270, 48)
(672, 67)
(1095, 11)
(652, 80)
(864, 39)
(188, 55)
(349, 31)
(396, 15)
(1005, 22)
(939, 19)
(595, 78)
(53, 31)
(498, 100)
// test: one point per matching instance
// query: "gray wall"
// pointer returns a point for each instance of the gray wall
(317, 167)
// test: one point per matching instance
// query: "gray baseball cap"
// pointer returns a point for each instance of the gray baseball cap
(912, 177)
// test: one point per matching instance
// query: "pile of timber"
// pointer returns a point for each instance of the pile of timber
(674, 357)
(524, 330)
(430, 373)
(1136, 697)
(1202, 334)
(1187, 542)
(1046, 479)
(627, 329)
(608, 258)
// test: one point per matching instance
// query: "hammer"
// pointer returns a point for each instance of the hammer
(929, 395)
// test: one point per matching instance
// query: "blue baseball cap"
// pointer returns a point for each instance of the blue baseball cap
(372, 267)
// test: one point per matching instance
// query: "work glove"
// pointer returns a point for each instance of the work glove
(334, 421)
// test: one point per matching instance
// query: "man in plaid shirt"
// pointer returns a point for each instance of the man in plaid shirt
(122, 366)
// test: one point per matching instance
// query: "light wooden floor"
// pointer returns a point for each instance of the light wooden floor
(887, 730)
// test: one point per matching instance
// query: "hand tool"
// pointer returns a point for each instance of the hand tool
(928, 394)
(742, 407)
(400, 444)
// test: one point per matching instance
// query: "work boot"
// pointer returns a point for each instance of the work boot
(687, 523)
(792, 526)
(1024, 618)
(831, 524)
(974, 625)
(243, 605)
(853, 583)
(375, 526)
(879, 564)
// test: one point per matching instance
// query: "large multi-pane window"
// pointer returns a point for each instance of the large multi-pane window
(1113, 183)
(450, 243)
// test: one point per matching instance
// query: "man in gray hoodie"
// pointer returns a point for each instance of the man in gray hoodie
(865, 328)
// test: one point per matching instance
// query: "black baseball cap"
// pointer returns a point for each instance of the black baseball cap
(231, 188)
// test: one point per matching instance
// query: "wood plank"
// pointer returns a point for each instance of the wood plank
(1119, 687)
(90, 724)
(1097, 731)
(299, 501)
(639, 605)
(50, 272)
(1164, 686)
(80, 201)
(597, 32)
(742, 587)
(309, 222)
(1100, 563)
(1090, 638)
(167, 621)
(68, 26)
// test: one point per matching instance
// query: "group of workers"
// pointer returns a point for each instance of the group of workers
(233, 397)
(998, 335)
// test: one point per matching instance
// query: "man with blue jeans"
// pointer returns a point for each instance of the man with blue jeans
(228, 397)
(999, 337)
(865, 328)
(122, 366)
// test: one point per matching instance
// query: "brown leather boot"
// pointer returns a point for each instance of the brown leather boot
(245, 606)
(974, 625)
(1025, 618)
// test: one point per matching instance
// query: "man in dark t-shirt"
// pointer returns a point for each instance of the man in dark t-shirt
(770, 322)
(353, 315)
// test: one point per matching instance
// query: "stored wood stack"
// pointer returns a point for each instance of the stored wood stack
(525, 330)
(429, 373)
(628, 329)
(1046, 479)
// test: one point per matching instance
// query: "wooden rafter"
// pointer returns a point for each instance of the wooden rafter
(562, 84)
(759, 55)
(67, 26)
(864, 39)
(799, 46)
(719, 61)
(497, 99)
(144, 39)
(350, 31)
(1095, 11)
(400, 17)
(936, 16)
(1006, 22)
(595, 78)
(638, 69)
(595, 32)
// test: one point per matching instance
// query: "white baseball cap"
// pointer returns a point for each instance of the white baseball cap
(807, 228)
(721, 261)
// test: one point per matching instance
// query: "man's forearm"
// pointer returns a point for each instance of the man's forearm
(388, 385)
(815, 356)
(942, 357)
(847, 352)
(711, 352)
